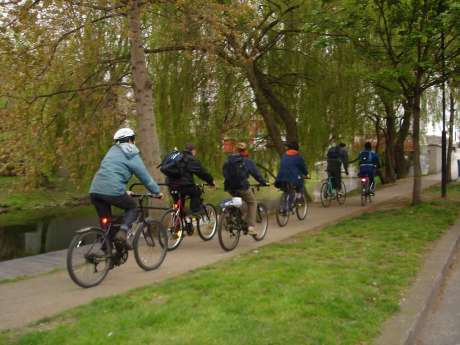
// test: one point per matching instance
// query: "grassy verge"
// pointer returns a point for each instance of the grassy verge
(336, 286)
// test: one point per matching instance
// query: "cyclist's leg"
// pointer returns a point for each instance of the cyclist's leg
(250, 199)
(299, 190)
(371, 180)
(103, 209)
(195, 198)
(336, 179)
(129, 205)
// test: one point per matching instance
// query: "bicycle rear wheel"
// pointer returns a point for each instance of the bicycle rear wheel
(173, 224)
(261, 222)
(363, 194)
(207, 224)
(282, 212)
(342, 195)
(301, 208)
(150, 245)
(228, 234)
(325, 197)
(89, 257)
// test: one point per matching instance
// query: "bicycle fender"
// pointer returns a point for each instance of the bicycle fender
(82, 231)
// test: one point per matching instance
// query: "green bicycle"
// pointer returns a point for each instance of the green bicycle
(329, 193)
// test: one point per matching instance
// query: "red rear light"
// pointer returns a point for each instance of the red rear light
(363, 180)
(105, 221)
(176, 205)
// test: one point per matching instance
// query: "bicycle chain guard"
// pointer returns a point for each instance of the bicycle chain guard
(121, 254)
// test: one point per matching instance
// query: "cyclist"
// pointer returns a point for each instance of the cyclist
(184, 183)
(368, 163)
(108, 187)
(292, 169)
(237, 170)
(336, 157)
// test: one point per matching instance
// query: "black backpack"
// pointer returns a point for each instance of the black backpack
(333, 153)
(172, 165)
(236, 173)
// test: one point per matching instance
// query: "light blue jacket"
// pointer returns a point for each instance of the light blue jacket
(120, 163)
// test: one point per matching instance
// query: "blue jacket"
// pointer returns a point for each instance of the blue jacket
(120, 163)
(292, 168)
(367, 157)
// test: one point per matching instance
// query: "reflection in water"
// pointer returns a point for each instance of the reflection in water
(46, 235)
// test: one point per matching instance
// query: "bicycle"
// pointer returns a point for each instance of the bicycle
(291, 202)
(367, 190)
(329, 193)
(178, 223)
(231, 223)
(93, 250)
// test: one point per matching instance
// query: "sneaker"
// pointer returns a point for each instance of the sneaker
(252, 230)
(121, 237)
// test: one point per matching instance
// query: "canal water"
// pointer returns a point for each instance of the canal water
(42, 235)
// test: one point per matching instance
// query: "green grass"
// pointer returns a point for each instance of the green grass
(336, 286)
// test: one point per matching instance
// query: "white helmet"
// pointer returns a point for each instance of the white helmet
(123, 133)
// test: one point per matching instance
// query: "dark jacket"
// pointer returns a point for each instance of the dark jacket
(251, 170)
(292, 169)
(190, 167)
(336, 156)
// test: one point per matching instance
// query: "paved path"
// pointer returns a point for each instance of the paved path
(442, 326)
(29, 300)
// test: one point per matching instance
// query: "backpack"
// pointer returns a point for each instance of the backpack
(367, 159)
(333, 153)
(172, 165)
(236, 173)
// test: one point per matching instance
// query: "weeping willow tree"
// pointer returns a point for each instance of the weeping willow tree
(240, 70)
(62, 102)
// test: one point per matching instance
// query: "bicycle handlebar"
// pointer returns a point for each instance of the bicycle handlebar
(145, 195)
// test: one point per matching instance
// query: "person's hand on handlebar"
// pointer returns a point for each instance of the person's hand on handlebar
(130, 192)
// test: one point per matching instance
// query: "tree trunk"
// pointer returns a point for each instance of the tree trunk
(401, 163)
(417, 188)
(278, 107)
(263, 108)
(451, 136)
(147, 131)
(390, 175)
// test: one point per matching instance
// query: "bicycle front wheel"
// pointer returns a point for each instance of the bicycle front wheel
(282, 212)
(261, 222)
(176, 233)
(228, 234)
(325, 197)
(301, 208)
(150, 245)
(342, 195)
(89, 257)
(207, 224)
